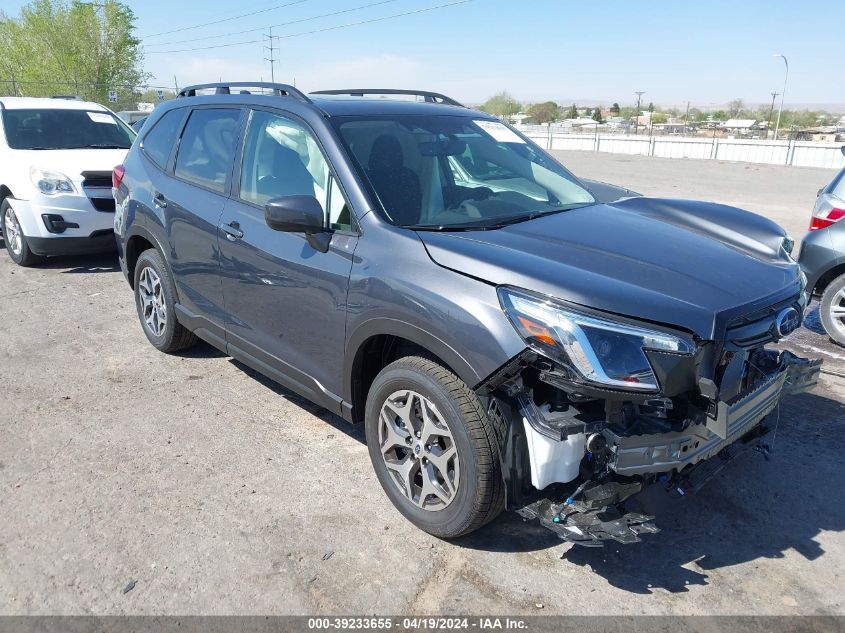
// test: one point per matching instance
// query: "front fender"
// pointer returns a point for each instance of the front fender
(396, 289)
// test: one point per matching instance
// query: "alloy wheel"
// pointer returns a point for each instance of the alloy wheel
(153, 306)
(12, 232)
(837, 311)
(418, 450)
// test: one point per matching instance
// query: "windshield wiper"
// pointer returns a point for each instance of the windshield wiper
(470, 226)
(100, 146)
(494, 223)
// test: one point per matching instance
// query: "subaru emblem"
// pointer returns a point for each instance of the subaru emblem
(788, 321)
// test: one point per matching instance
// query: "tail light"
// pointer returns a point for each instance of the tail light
(117, 175)
(825, 216)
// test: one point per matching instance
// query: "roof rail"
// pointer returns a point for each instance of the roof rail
(225, 88)
(429, 97)
(67, 97)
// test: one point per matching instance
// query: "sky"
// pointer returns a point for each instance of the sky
(594, 52)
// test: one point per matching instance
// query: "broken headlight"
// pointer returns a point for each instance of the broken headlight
(601, 351)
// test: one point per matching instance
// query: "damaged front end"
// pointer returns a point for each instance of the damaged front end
(599, 409)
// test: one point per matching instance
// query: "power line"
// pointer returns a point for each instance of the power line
(330, 28)
(222, 20)
(387, 17)
(261, 28)
(204, 48)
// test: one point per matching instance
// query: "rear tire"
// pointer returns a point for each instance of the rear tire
(434, 449)
(832, 310)
(155, 300)
(16, 243)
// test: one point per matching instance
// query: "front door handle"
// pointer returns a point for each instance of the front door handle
(159, 200)
(232, 230)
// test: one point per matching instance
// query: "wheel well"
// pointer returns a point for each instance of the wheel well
(134, 247)
(5, 192)
(376, 353)
(825, 279)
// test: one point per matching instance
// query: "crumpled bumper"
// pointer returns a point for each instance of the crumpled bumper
(595, 512)
(664, 452)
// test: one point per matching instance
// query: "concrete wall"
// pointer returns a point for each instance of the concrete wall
(794, 153)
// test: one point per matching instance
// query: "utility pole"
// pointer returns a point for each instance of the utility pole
(686, 119)
(639, 94)
(771, 112)
(782, 94)
(271, 59)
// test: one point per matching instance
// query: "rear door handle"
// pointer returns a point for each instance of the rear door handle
(232, 230)
(159, 200)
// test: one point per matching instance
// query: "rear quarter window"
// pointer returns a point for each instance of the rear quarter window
(159, 141)
(206, 151)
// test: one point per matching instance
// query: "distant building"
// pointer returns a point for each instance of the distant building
(826, 134)
(520, 119)
(669, 128)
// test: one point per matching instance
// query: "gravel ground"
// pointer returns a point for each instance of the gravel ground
(217, 492)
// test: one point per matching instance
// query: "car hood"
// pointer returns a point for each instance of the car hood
(687, 264)
(70, 162)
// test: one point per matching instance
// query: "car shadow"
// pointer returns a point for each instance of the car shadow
(200, 350)
(82, 264)
(355, 431)
(754, 509)
(813, 321)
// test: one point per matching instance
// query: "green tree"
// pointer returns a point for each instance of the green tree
(572, 113)
(56, 47)
(736, 108)
(696, 115)
(614, 109)
(660, 117)
(501, 105)
(597, 114)
(650, 106)
(545, 112)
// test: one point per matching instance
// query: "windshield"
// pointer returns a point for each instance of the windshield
(65, 129)
(447, 172)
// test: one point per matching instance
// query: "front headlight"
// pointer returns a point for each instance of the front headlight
(50, 182)
(601, 351)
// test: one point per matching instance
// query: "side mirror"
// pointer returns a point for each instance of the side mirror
(842, 149)
(299, 214)
(294, 214)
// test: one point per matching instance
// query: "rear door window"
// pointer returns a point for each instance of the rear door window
(207, 148)
(159, 141)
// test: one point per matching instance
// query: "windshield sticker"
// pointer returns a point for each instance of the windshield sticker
(101, 117)
(500, 132)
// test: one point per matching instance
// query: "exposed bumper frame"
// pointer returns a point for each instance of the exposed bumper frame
(658, 453)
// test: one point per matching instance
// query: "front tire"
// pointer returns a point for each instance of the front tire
(155, 299)
(434, 449)
(16, 243)
(832, 310)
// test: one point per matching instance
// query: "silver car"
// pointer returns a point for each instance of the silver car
(822, 256)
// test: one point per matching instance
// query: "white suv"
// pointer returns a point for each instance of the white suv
(56, 159)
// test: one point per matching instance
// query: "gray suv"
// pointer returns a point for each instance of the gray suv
(823, 256)
(424, 269)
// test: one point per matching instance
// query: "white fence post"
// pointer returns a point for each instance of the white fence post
(790, 152)
(715, 150)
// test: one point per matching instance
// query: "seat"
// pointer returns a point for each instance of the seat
(289, 177)
(397, 187)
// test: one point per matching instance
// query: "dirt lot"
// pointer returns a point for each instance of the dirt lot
(219, 492)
